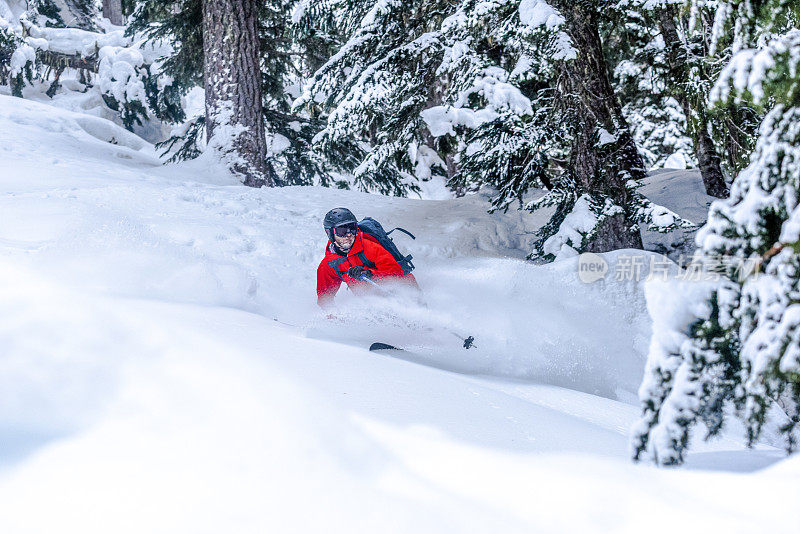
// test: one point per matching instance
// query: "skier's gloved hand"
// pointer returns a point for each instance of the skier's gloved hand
(357, 272)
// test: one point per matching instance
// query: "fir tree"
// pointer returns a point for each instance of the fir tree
(666, 59)
(688, 73)
(743, 346)
(431, 89)
(289, 159)
(46, 13)
(597, 207)
(657, 120)
(477, 92)
(63, 14)
(9, 42)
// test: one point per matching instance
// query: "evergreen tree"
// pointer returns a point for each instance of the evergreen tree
(10, 41)
(665, 61)
(737, 342)
(289, 159)
(63, 14)
(45, 13)
(597, 205)
(476, 92)
(657, 120)
(634, 55)
(604, 156)
(688, 73)
(39, 46)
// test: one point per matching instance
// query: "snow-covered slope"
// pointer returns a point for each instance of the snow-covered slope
(164, 367)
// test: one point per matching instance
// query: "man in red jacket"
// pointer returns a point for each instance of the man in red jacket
(351, 257)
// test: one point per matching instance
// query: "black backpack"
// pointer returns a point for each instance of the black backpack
(372, 227)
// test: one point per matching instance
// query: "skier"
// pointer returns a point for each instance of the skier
(355, 258)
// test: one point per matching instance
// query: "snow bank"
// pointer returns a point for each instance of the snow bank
(74, 41)
(165, 367)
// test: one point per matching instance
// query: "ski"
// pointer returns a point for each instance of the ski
(383, 346)
(468, 343)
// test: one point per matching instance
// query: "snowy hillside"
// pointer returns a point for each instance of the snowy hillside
(164, 366)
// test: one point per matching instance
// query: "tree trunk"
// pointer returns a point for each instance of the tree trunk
(693, 108)
(112, 10)
(232, 80)
(614, 233)
(599, 170)
(710, 163)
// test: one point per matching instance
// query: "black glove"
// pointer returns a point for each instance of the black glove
(357, 272)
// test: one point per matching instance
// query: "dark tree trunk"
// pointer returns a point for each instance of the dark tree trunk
(599, 170)
(232, 80)
(112, 10)
(696, 116)
(614, 233)
(710, 163)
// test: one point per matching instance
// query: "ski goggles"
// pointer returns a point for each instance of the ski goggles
(345, 229)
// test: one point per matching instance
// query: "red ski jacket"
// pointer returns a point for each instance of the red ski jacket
(366, 251)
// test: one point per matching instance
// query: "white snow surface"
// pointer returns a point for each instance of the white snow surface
(76, 41)
(164, 368)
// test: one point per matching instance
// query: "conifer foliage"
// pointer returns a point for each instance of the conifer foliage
(475, 91)
(289, 159)
(666, 60)
(735, 345)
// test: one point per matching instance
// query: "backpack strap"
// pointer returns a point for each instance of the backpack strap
(364, 261)
(334, 264)
(409, 234)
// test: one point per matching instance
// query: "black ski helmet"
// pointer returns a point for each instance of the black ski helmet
(337, 217)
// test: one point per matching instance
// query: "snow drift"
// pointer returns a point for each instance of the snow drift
(164, 367)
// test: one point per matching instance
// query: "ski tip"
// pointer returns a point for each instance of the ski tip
(382, 346)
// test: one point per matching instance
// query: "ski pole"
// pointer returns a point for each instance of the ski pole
(469, 341)
(285, 323)
(383, 291)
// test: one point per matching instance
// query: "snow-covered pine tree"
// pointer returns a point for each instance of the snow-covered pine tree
(469, 91)
(38, 47)
(289, 159)
(685, 72)
(657, 121)
(45, 13)
(724, 134)
(16, 58)
(604, 160)
(63, 13)
(664, 69)
(689, 78)
(597, 205)
(434, 89)
(8, 43)
(20, 61)
(374, 87)
(736, 344)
